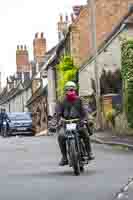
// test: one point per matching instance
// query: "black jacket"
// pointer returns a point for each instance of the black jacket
(70, 110)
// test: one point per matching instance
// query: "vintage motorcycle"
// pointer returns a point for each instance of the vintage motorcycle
(77, 154)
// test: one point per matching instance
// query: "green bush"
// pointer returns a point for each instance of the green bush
(127, 76)
(66, 71)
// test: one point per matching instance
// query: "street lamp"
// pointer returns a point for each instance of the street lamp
(92, 5)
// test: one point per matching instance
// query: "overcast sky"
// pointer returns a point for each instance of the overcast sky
(20, 20)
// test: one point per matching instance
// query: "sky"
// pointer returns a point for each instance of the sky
(20, 20)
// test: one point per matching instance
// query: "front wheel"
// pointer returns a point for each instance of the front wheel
(74, 158)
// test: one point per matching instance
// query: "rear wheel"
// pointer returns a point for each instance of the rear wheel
(74, 158)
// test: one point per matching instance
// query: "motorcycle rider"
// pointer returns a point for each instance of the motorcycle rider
(72, 107)
(4, 118)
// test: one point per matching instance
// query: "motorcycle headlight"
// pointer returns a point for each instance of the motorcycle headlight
(4, 123)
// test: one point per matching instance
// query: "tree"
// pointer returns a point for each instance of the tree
(66, 71)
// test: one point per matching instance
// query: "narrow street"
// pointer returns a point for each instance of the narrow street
(29, 170)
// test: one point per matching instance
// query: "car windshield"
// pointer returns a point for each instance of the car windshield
(19, 117)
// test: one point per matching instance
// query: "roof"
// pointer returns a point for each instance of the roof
(58, 47)
(115, 32)
(5, 96)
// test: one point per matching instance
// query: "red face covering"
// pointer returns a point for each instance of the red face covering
(71, 95)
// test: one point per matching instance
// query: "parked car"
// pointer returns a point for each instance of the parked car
(20, 124)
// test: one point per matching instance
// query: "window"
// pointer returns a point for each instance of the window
(130, 7)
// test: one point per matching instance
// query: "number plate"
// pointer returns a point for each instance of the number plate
(71, 127)
(21, 129)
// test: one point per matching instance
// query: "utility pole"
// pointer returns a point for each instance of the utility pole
(92, 5)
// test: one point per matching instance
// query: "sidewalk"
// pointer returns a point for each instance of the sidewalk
(111, 139)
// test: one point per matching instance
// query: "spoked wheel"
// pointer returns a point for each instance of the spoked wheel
(74, 158)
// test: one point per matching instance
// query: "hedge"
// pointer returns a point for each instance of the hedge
(127, 76)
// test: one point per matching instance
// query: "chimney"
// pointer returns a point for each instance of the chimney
(22, 58)
(42, 35)
(62, 27)
(39, 48)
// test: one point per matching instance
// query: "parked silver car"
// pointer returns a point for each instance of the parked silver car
(21, 123)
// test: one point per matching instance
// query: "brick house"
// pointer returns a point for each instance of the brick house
(39, 102)
(108, 15)
(109, 55)
(75, 35)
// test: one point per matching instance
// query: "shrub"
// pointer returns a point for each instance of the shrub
(66, 71)
(127, 76)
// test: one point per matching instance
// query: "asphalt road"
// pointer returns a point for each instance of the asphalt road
(29, 171)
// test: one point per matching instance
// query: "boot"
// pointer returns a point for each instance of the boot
(89, 150)
(91, 156)
(63, 162)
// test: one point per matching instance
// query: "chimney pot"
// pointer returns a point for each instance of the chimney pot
(25, 48)
(61, 18)
(21, 47)
(17, 47)
(36, 35)
(42, 35)
(66, 18)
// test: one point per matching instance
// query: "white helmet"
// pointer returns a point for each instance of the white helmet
(70, 85)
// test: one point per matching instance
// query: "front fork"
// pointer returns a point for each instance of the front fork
(74, 137)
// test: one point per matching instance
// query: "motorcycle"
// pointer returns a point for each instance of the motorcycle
(77, 154)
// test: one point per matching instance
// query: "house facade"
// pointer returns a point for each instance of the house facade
(108, 58)
(108, 15)
(75, 40)
(15, 99)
